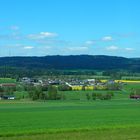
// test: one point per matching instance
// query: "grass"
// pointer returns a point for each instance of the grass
(115, 134)
(130, 77)
(130, 86)
(73, 118)
(81, 95)
(65, 117)
(7, 80)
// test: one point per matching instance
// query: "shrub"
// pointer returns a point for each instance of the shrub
(52, 92)
(94, 96)
(104, 96)
(88, 96)
(110, 93)
(64, 88)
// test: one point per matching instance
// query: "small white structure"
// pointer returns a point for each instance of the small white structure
(8, 97)
(11, 98)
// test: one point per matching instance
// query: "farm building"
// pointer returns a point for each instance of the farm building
(134, 96)
(8, 97)
(8, 85)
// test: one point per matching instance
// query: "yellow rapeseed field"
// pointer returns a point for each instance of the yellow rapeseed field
(127, 81)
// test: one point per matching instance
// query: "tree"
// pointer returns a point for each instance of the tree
(43, 95)
(88, 96)
(1, 92)
(83, 87)
(114, 86)
(135, 92)
(94, 96)
(36, 93)
(105, 96)
(9, 90)
(64, 88)
(110, 93)
(52, 92)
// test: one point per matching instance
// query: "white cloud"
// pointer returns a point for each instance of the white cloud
(48, 34)
(90, 42)
(28, 47)
(78, 48)
(107, 38)
(42, 35)
(112, 48)
(129, 49)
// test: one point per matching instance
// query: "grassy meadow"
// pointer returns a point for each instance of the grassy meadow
(7, 80)
(73, 118)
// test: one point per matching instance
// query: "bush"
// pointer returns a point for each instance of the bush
(110, 93)
(88, 96)
(94, 96)
(52, 92)
(64, 88)
(63, 97)
(105, 96)
(114, 86)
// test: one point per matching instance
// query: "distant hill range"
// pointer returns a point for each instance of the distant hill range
(95, 62)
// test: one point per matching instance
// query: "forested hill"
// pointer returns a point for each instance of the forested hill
(96, 62)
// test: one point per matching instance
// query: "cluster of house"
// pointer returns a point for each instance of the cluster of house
(70, 82)
(74, 83)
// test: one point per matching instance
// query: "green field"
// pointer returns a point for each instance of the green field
(7, 80)
(73, 118)
(69, 118)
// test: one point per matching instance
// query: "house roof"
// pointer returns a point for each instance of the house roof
(8, 84)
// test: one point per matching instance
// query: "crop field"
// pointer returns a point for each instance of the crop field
(73, 118)
(7, 80)
(70, 119)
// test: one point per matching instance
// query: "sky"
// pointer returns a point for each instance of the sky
(70, 27)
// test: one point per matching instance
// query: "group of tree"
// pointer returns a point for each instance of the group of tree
(114, 86)
(101, 96)
(109, 86)
(135, 91)
(64, 87)
(40, 93)
(135, 94)
(7, 91)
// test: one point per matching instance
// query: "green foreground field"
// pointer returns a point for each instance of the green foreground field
(99, 120)
(115, 134)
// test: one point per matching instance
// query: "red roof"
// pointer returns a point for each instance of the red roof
(8, 85)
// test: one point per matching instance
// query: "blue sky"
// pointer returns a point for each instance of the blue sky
(69, 27)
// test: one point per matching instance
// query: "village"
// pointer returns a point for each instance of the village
(71, 82)
(7, 90)
(26, 84)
